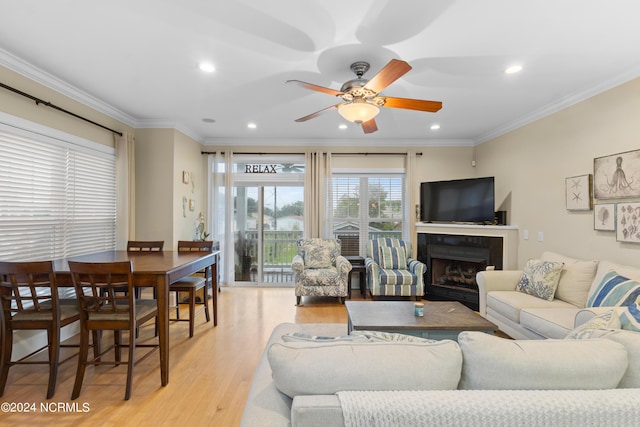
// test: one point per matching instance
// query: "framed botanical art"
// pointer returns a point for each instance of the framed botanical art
(604, 217)
(628, 222)
(578, 192)
(617, 176)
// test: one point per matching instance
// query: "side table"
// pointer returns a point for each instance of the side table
(357, 266)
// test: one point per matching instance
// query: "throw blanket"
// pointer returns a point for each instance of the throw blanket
(495, 408)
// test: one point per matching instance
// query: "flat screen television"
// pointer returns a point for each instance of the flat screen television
(460, 200)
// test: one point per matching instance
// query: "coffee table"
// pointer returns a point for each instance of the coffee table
(441, 320)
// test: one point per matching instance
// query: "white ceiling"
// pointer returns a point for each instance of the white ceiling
(138, 61)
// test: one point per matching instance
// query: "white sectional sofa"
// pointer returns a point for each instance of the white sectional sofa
(523, 316)
(481, 380)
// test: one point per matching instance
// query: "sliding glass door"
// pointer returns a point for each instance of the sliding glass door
(268, 219)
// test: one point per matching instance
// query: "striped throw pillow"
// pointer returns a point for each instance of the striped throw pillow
(393, 258)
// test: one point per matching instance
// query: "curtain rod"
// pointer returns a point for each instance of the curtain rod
(333, 154)
(39, 101)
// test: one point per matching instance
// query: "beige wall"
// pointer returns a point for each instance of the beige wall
(531, 163)
(161, 157)
(188, 157)
(17, 105)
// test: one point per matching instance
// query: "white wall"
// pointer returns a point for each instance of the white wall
(531, 163)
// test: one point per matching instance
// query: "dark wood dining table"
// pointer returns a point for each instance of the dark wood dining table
(153, 269)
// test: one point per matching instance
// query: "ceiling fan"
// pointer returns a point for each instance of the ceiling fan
(361, 99)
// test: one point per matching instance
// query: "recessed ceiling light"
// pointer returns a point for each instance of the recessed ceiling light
(513, 69)
(435, 127)
(342, 126)
(207, 120)
(207, 67)
(252, 126)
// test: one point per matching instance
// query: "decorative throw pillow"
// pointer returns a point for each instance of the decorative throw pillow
(630, 318)
(540, 278)
(614, 290)
(301, 336)
(393, 258)
(317, 256)
(608, 320)
(391, 336)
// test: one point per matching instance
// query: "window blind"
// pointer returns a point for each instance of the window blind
(367, 206)
(57, 198)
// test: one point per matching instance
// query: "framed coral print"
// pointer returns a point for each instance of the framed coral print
(628, 222)
(604, 217)
(617, 175)
(578, 192)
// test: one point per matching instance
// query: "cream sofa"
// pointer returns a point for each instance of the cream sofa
(524, 316)
(481, 380)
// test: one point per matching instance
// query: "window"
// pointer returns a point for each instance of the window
(57, 197)
(383, 196)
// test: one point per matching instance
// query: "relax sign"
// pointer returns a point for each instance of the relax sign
(260, 169)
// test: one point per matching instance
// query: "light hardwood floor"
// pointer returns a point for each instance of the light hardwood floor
(210, 374)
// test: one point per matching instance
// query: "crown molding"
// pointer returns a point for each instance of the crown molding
(314, 142)
(165, 124)
(40, 76)
(560, 105)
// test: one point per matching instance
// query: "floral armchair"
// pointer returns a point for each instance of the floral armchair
(391, 271)
(319, 269)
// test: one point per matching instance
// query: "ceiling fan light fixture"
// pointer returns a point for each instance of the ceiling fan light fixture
(358, 111)
(207, 67)
(513, 69)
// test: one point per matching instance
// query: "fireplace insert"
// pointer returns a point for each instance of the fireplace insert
(452, 263)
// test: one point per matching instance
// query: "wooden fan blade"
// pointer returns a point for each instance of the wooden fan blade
(370, 126)
(316, 87)
(317, 113)
(413, 104)
(389, 74)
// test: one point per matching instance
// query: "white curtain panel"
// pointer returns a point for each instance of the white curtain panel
(229, 261)
(125, 189)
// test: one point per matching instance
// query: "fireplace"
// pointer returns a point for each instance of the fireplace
(452, 263)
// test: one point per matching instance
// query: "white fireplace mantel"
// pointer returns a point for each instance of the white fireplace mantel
(508, 233)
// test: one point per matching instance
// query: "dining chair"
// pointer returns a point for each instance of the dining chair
(30, 301)
(145, 245)
(103, 307)
(190, 285)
